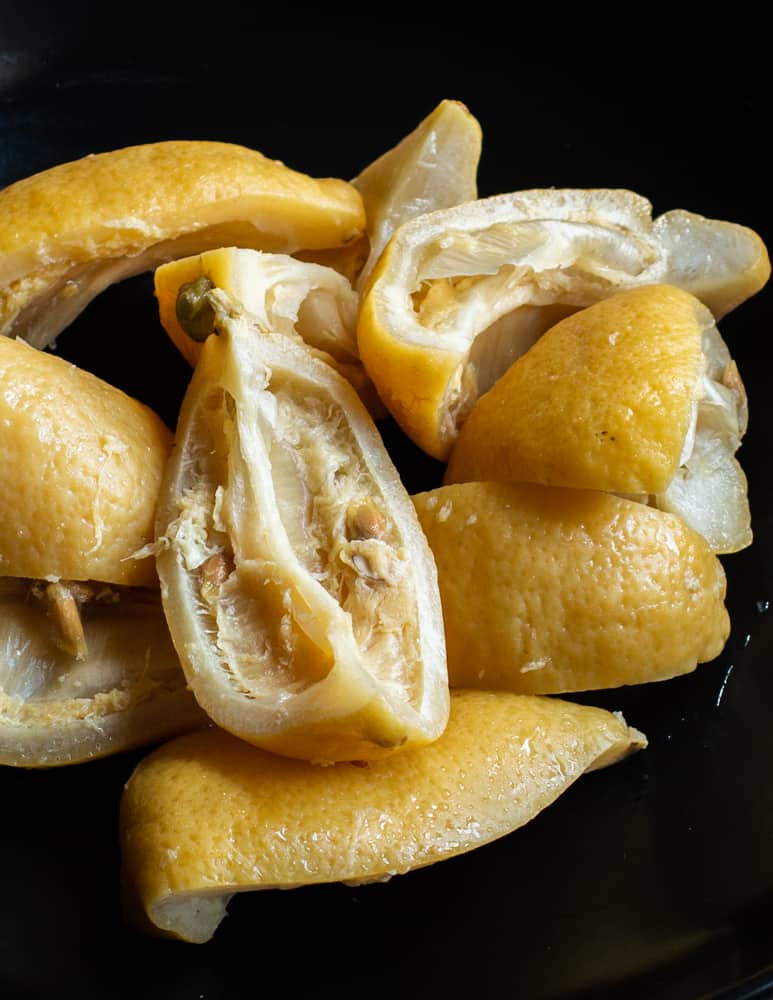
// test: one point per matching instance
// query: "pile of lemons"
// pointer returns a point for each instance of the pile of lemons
(321, 655)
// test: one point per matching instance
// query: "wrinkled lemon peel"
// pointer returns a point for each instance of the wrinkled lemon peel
(459, 294)
(69, 232)
(207, 816)
(548, 590)
(306, 635)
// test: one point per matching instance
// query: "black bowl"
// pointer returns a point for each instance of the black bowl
(651, 879)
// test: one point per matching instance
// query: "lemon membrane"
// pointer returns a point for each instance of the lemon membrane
(435, 166)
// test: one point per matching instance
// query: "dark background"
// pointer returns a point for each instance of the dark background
(652, 879)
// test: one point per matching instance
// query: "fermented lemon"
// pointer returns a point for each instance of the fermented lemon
(636, 394)
(82, 464)
(432, 167)
(435, 166)
(207, 816)
(299, 589)
(547, 590)
(87, 666)
(459, 294)
(308, 302)
(70, 231)
(126, 690)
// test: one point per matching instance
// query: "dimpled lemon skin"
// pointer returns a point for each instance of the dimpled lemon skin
(547, 590)
(82, 465)
(208, 815)
(602, 401)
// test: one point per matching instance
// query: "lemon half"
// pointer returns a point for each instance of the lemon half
(299, 588)
(459, 294)
(82, 464)
(636, 394)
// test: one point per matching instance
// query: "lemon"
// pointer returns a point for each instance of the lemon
(636, 394)
(207, 816)
(87, 666)
(433, 167)
(308, 302)
(70, 231)
(549, 590)
(460, 293)
(82, 464)
(126, 691)
(299, 589)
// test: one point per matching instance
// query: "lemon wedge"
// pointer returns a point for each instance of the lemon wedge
(82, 465)
(636, 394)
(299, 589)
(87, 666)
(207, 816)
(433, 167)
(460, 293)
(548, 590)
(308, 302)
(70, 231)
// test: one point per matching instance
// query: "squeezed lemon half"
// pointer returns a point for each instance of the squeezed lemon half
(460, 294)
(299, 589)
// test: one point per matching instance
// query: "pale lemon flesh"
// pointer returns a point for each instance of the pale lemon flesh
(300, 591)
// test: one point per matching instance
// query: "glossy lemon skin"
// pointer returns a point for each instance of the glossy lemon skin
(70, 231)
(82, 465)
(602, 401)
(549, 590)
(208, 815)
(124, 198)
